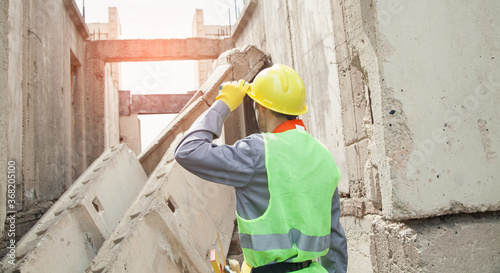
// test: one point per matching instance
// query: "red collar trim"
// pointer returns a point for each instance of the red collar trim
(290, 125)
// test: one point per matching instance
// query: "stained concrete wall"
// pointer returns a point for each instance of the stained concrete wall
(37, 60)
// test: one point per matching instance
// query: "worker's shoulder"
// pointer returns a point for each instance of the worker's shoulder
(255, 139)
(252, 145)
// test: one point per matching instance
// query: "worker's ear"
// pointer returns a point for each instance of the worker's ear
(262, 110)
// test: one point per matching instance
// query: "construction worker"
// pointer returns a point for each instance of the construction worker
(285, 181)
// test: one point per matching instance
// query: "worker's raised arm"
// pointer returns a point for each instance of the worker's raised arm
(232, 165)
(335, 261)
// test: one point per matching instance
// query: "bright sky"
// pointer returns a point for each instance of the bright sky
(151, 19)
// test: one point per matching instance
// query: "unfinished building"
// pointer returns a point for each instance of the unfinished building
(404, 94)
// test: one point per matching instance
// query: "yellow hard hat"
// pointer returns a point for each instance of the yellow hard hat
(280, 89)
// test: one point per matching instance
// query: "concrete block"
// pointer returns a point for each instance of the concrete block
(71, 232)
(461, 243)
(436, 112)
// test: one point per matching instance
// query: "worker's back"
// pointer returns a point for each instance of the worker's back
(302, 177)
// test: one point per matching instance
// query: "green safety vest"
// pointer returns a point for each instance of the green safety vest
(302, 177)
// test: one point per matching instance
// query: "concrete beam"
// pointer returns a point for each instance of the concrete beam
(173, 224)
(70, 233)
(158, 49)
(159, 104)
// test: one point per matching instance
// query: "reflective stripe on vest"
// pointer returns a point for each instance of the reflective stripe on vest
(284, 241)
(302, 178)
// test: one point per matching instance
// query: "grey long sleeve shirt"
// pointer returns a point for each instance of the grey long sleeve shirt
(242, 166)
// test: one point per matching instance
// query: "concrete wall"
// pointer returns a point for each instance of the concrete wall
(404, 95)
(4, 104)
(37, 61)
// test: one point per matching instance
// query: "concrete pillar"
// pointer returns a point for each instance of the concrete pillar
(79, 133)
(111, 109)
(95, 112)
(130, 132)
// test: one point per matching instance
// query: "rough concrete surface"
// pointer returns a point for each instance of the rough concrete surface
(465, 243)
(442, 159)
(71, 232)
(369, 104)
(359, 235)
(112, 112)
